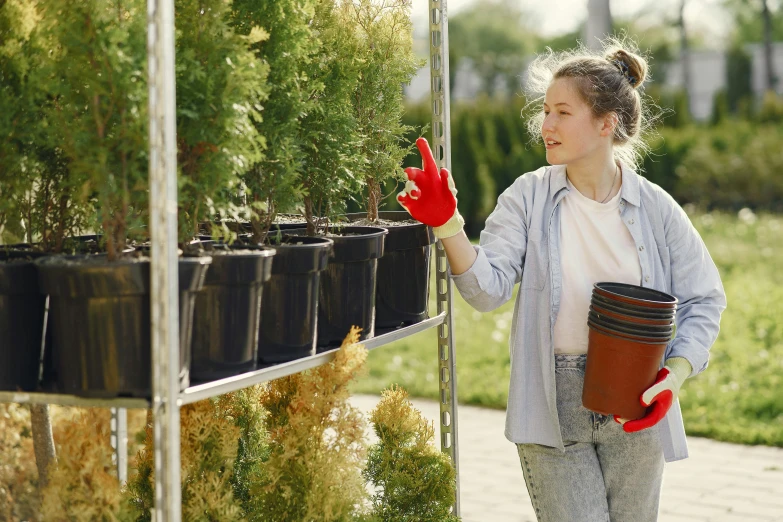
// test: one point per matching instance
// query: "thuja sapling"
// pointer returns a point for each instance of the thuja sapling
(38, 205)
(329, 132)
(95, 75)
(412, 478)
(384, 31)
(271, 182)
(222, 442)
(220, 86)
(17, 21)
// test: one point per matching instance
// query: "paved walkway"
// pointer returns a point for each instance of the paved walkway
(720, 482)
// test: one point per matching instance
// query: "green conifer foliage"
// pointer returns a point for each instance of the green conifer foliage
(384, 30)
(83, 487)
(95, 77)
(17, 21)
(271, 182)
(220, 85)
(317, 444)
(415, 481)
(329, 132)
(38, 204)
(223, 445)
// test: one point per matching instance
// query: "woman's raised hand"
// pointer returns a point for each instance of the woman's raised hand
(430, 196)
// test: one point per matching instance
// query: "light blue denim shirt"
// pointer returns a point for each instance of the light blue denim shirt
(520, 244)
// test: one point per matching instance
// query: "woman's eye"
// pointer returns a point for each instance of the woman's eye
(563, 112)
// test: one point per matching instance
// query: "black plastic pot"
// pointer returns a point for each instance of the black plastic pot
(403, 287)
(227, 312)
(99, 316)
(21, 320)
(290, 298)
(347, 292)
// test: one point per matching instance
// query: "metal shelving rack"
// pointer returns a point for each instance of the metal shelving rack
(166, 397)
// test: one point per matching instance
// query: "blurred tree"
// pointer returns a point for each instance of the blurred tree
(756, 22)
(738, 73)
(496, 36)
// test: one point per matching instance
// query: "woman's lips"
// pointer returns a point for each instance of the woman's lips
(548, 146)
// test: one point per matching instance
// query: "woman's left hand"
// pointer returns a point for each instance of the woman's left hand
(660, 396)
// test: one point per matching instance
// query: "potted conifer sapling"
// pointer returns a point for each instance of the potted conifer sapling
(220, 86)
(290, 297)
(387, 63)
(100, 304)
(331, 157)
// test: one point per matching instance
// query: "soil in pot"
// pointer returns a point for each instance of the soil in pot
(227, 310)
(617, 372)
(99, 317)
(402, 292)
(21, 319)
(290, 298)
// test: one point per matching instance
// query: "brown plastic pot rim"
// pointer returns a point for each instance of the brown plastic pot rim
(667, 301)
(654, 329)
(618, 335)
(641, 316)
(618, 316)
(639, 311)
(631, 331)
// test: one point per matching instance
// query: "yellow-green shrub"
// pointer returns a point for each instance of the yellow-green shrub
(414, 481)
(317, 444)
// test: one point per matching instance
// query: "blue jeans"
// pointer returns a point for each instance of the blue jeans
(605, 474)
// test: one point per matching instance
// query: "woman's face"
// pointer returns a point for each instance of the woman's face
(570, 131)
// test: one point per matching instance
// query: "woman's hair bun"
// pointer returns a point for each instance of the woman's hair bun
(630, 65)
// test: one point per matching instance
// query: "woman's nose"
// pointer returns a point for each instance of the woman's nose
(547, 125)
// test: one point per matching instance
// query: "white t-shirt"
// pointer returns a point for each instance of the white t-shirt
(595, 245)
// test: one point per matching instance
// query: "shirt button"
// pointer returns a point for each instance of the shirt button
(646, 279)
(641, 248)
(630, 221)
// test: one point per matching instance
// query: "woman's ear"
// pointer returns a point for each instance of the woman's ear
(610, 122)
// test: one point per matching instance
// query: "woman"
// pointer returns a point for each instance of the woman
(586, 218)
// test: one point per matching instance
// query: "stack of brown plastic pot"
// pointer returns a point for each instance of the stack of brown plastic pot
(630, 327)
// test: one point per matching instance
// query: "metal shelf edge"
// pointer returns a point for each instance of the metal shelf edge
(72, 400)
(229, 384)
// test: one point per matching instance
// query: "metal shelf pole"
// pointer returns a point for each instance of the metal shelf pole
(441, 146)
(119, 441)
(164, 293)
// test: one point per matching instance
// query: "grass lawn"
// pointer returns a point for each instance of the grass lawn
(739, 398)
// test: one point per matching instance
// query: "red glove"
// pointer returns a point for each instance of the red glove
(430, 196)
(660, 396)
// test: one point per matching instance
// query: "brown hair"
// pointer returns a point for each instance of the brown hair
(608, 81)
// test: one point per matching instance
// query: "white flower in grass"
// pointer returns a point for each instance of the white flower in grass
(747, 216)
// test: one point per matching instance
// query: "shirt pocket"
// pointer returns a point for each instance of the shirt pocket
(535, 272)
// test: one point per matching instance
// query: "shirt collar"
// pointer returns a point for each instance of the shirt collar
(630, 190)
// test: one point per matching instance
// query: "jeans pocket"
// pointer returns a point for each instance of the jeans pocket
(572, 416)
